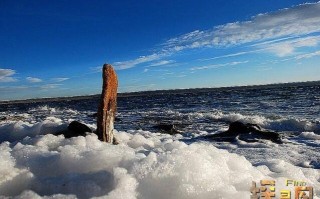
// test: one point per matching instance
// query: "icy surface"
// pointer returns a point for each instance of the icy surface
(145, 165)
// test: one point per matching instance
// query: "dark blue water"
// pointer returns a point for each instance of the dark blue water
(279, 108)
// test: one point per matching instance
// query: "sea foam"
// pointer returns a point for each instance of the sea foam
(277, 124)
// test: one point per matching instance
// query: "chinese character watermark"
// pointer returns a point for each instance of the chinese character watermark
(267, 190)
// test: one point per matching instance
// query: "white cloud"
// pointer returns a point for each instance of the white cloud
(273, 41)
(162, 62)
(97, 69)
(308, 55)
(135, 62)
(60, 79)
(27, 87)
(218, 65)
(33, 80)
(180, 76)
(288, 47)
(230, 55)
(299, 20)
(50, 86)
(13, 88)
(6, 75)
(281, 47)
(264, 68)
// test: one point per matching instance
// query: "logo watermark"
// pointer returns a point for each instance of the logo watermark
(267, 190)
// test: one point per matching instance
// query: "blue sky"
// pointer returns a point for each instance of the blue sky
(57, 48)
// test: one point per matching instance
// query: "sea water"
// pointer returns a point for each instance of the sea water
(151, 164)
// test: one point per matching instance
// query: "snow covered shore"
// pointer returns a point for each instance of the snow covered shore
(144, 165)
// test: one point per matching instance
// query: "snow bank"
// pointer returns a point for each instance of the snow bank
(13, 131)
(145, 165)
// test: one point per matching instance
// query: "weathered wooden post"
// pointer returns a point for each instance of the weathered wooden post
(108, 105)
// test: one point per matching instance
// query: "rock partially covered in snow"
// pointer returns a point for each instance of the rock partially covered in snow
(167, 128)
(247, 132)
(78, 127)
(75, 129)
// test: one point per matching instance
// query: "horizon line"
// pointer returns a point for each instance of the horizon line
(144, 91)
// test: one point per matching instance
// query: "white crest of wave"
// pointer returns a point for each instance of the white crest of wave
(310, 135)
(278, 124)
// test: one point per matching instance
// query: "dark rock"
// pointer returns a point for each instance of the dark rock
(167, 128)
(79, 127)
(75, 129)
(240, 128)
(246, 132)
(3, 118)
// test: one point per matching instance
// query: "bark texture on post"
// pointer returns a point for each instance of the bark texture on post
(108, 104)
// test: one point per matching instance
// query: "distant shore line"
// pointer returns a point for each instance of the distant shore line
(162, 92)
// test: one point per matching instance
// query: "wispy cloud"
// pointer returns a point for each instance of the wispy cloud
(308, 55)
(264, 68)
(33, 80)
(96, 69)
(59, 79)
(44, 87)
(49, 86)
(230, 55)
(299, 20)
(273, 41)
(135, 62)
(289, 47)
(180, 76)
(6, 75)
(12, 88)
(162, 62)
(217, 65)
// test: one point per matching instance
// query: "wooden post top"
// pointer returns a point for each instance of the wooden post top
(108, 70)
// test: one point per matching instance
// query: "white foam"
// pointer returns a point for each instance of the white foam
(278, 124)
(310, 135)
(44, 108)
(143, 165)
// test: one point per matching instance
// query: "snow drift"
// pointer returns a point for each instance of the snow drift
(145, 165)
